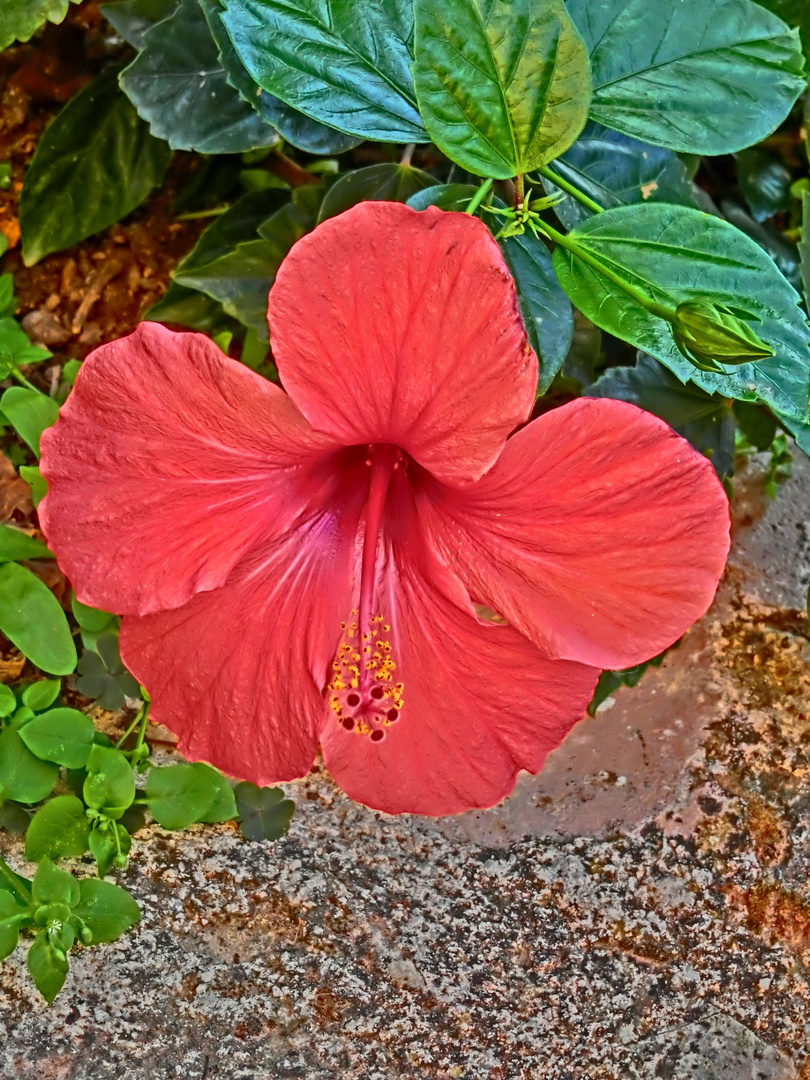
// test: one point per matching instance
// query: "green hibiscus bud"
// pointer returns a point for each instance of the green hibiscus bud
(711, 334)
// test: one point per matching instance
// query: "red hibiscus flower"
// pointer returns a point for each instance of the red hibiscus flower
(306, 568)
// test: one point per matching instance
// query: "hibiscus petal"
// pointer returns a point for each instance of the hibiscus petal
(237, 673)
(168, 462)
(600, 533)
(480, 702)
(395, 326)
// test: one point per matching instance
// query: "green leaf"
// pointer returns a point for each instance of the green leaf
(390, 182)
(22, 18)
(16, 348)
(503, 85)
(54, 886)
(783, 252)
(179, 795)
(223, 807)
(804, 247)
(103, 675)
(765, 183)
(14, 818)
(453, 197)
(110, 783)
(90, 619)
(11, 916)
(240, 222)
(37, 482)
(188, 307)
(95, 163)
(692, 256)
(298, 130)
(345, 63)
(241, 278)
(59, 829)
(40, 695)
(106, 910)
(102, 843)
(610, 681)
(29, 413)
(47, 968)
(705, 420)
(23, 777)
(63, 736)
(179, 86)
(702, 78)
(18, 886)
(15, 545)
(757, 424)
(8, 702)
(132, 18)
(31, 617)
(614, 169)
(264, 812)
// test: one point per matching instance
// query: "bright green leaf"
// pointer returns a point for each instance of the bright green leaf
(692, 256)
(106, 910)
(390, 182)
(178, 85)
(503, 85)
(702, 78)
(59, 829)
(18, 886)
(54, 886)
(345, 63)
(264, 812)
(11, 916)
(90, 619)
(110, 783)
(8, 702)
(47, 968)
(610, 681)
(37, 482)
(179, 795)
(16, 348)
(63, 736)
(31, 617)
(40, 695)
(223, 807)
(29, 413)
(23, 777)
(105, 848)
(94, 164)
(15, 545)
(22, 18)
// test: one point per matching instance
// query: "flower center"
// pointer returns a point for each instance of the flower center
(363, 694)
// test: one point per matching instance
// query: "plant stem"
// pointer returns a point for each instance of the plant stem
(15, 374)
(573, 191)
(478, 197)
(215, 211)
(519, 194)
(130, 729)
(662, 311)
(407, 154)
(143, 716)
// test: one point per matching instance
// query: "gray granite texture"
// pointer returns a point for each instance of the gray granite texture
(639, 910)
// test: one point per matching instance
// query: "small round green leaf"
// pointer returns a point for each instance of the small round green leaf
(15, 545)
(48, 970)
(54, 886)
(223, 808)
(32, 618)
(503, 85)
(264, 812)
(29, 413)
(110, 782)
(179, 795)
(23, 777)
(106, 910)
(11, 916)
(8, 702)
(37, 696)
(59, 830)
(90, 619)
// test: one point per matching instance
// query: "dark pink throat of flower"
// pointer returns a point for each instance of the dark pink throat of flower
(363, 692)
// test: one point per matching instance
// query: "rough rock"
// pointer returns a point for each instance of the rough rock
(639, 910)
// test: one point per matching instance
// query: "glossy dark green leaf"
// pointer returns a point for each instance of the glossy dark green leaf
(264, 812)
(388, 181)
(765, 183)
(23, 777)
(703, 78)
(503, 85)
(110, 783)
(29, 413)
(42, 694)
(783, 252)
(15, 545)
(453, 197)
(22, 18)
(238, 223)
(240, 279)
(617, 170)
(95, 163)
(223, 806)
(11, 916)
(31, 617)
(188, 307)
(48, 969)
(179, 795)
(105, 843)
(132, 18)
(345, 63)
(804, 248)
(692, 256)
(705, 420)
(296, 128)
(178, 85)
(106, 910)
(59, 829)
(63, 736)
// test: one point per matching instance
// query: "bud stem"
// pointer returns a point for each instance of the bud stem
(478, 197)
(569, 188)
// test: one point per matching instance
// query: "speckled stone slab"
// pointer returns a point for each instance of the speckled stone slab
(639, 910)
